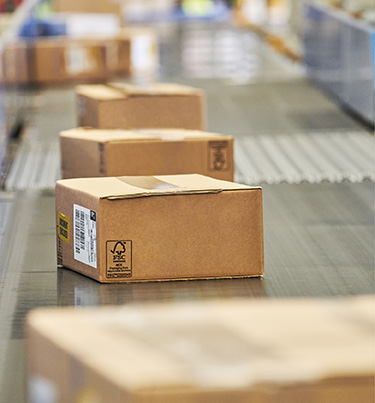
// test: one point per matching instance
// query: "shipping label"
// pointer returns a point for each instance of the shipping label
(63, 227)
(79, 60)
(85, 235)
(141, 52)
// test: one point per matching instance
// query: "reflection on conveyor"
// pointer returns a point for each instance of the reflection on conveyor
(74, 289)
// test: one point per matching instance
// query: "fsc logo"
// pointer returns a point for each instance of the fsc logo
(119, 259)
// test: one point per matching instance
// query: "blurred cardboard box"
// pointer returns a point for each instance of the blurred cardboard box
(125, 106)
(142, 228)
(58, 60)
(133, 52)
(228, 350)
(87, 6)
(14, 64)
(144, 56)
(89, 152)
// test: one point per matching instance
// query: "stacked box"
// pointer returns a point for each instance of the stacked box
(141, 228)
(87, 152)
(232, 350)
(126, 106)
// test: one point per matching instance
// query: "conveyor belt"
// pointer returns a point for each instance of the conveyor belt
(305, 157)
(286, 158)
(6, 201)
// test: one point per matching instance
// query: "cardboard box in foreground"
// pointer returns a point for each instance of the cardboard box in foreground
(126, 106)
(159, 228)
(222, 351)
(89, 152)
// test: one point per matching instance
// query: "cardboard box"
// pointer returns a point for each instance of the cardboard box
(87, 6)
(144, 55)
(133, 52)
(89, 152)
(125, 106)
(67, 60)
(139, 228)
(222, 351)
(14, 64)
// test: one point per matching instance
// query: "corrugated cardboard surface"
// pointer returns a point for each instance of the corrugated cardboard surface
(89, 152)
(127, 107)
(56, 60)
(163, 228)
(274, 351)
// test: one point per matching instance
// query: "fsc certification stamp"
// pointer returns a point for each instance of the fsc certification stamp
(119, 259)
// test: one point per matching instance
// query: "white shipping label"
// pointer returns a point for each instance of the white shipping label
(141, 52)
(78, 60)
(85, 235)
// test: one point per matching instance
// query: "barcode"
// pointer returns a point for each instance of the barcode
(85, 235)
(79, 231)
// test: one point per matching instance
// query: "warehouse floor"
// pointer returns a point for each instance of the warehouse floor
(314, 161)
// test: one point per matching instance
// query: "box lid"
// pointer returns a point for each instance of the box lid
(156, 89)
(114, 91)
(111, 135)
(127, 187)
(100, 92)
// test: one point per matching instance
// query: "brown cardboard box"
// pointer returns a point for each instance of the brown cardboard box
(14, 64)
(89, 152)
(125, 106)
(134, 51)
(138, 228)
(118, 56)
(63, 60)
(222, 351)
(87, 6)
(144, 56)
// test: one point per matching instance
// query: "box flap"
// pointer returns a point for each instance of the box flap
(155, 89)
(127, 187)
(114, 91)
(108, 135)
(100, 92)
(183, 134)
